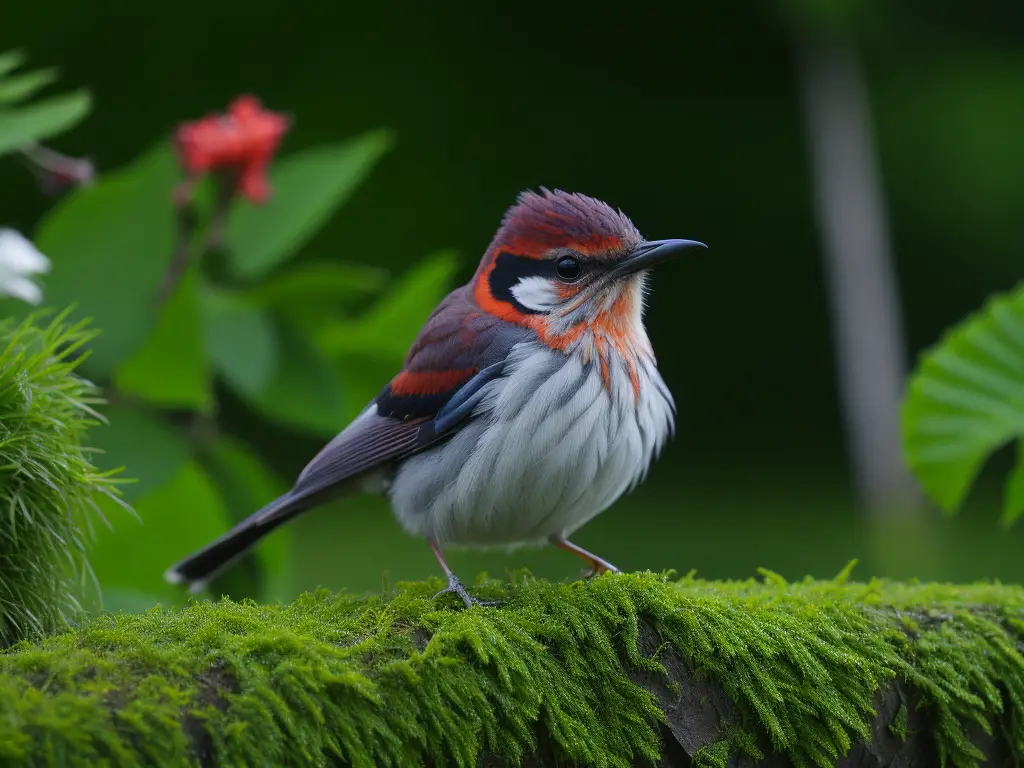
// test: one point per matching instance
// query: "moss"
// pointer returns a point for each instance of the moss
(898, 726)
(714, 755)
(48, 484)
(404, 680)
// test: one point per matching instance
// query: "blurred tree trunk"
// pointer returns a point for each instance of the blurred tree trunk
(864, 297)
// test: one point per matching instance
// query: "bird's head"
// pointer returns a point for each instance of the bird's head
(570, 266)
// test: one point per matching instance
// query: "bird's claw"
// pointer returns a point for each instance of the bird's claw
(599, 569)
(455, 586)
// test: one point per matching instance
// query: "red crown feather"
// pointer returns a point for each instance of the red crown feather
(537, 223)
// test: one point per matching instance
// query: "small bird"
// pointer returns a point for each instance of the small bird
(529, 402)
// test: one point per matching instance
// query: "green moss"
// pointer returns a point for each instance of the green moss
(403, 680)
(898, 726)
(48, 484)
(714, 755)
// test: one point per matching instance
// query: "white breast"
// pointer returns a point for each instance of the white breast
(550, 447)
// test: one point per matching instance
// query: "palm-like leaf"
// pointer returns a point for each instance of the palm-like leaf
(965, 400)
(23, 121)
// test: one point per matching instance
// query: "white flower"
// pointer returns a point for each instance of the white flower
(19, 261)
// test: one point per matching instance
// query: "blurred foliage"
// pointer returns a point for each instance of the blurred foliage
(49, 487)
(109, 245)
(241, 321)
(966, 400)
(249, 325)
(23, 120)
(309, 187)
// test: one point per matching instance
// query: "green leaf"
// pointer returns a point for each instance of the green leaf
(20, 87)
(42, 119)
(110, 245)
(305, 391)
(308, 187)
(326, 282)
(965, 400)
(1013, 505)
(242, 342)
(151, 451)
(11, 60)
(245, 485)
(391, 326)
(177, 517)
(171, 368)
(362, 377)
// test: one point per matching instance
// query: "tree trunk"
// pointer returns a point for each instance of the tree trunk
(865, 303)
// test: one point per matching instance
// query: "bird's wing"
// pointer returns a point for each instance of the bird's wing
(459, 350)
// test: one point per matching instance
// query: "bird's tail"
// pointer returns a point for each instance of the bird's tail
(199, 568)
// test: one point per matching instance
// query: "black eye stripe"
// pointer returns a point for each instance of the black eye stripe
(509, 269)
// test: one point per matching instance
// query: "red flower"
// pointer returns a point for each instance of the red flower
(242, 141)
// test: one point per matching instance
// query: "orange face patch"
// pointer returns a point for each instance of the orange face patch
(491, 304)
(613, 329)
(613, 333)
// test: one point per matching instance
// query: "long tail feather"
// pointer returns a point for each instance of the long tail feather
(199, 568)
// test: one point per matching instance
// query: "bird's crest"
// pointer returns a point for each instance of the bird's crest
(538, 223)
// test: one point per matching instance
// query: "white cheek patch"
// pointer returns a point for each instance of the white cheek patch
(536, 293)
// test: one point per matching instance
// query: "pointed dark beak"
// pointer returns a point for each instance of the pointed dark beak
(652, 253)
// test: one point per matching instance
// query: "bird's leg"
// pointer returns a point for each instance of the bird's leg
(597, 565)
(455, 584)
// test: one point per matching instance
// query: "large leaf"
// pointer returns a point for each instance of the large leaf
(362, 377)
(391, 325)
(137, 439)
(176, 518)
(1013, 507)
(308, 187)
(326, 282)
(965, 400)
(171, 368)
(305, 391)
(42, 119)
(242, 342)
(110, 245)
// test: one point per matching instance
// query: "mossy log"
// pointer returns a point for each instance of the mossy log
(622, 670)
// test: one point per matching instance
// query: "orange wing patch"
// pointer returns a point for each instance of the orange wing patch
(429, 382)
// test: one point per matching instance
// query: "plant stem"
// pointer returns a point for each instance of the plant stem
(187, 221)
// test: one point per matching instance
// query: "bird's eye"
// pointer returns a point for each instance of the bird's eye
(568, 269)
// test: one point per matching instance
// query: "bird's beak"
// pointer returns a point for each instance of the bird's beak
(652, 253)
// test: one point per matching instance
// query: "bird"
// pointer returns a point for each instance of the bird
(529, 402)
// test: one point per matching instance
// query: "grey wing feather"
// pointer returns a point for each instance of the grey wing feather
(366, 444)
